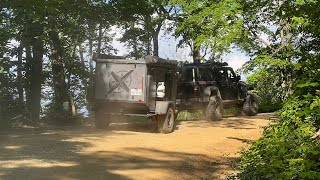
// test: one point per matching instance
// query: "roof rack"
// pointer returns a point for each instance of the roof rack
(96, 56)
(208, 64)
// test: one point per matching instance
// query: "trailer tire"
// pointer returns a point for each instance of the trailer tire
(166, 123)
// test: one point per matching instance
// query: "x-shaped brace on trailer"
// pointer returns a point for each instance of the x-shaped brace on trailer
(120, 82)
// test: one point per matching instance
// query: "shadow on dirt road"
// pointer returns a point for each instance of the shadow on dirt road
(126, 151)
(49, 155)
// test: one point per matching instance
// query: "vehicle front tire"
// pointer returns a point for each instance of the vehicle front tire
(102, 121)
(251, 106)
(214, 110)
(166, 124)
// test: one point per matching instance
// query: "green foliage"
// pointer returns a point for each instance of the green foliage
(185, 115)
(213, 24)
(287, 149)
(9, 106)
(142, 22)
(266, 80)
(48, 32)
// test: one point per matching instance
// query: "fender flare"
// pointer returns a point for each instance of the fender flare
(162, 107)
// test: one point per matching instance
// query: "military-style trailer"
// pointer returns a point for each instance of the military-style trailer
(144, 87)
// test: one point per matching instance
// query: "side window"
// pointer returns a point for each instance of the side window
(222, 75)
(187, 75)
(231, 75)
(205, 74)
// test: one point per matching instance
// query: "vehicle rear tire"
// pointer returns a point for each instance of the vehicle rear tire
(214, 110)
(166, 123)
(250, 106)
(102, 121)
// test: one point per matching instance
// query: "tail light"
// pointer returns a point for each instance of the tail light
(196, 89)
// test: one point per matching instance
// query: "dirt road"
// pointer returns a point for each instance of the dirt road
(128, 151)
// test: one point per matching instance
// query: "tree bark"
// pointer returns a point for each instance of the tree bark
(89, 84)
(36, 78)
(196, 54)
(156, 40)
(28, 77)
(20, 78)
(148, 28)
(90, 57)
(58, 72)
(99, 39)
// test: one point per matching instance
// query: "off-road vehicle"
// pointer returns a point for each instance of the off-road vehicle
(129, 88)
(210, 87)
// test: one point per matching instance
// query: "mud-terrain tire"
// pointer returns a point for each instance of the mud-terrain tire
(251, 105)
(102, 121)
(166, 123)
(214, 110)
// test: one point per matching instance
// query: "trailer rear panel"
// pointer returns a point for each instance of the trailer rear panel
(121, 82)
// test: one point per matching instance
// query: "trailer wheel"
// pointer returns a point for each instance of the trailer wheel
(102, 121)
(166, 123)
(214, 110)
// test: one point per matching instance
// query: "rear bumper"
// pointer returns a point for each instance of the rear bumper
(121, 108)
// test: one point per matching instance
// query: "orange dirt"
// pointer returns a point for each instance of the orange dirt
(196, 149)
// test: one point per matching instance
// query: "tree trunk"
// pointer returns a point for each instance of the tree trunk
(28, 77)
(196, 55)
(90, 57)
(148, 28)
(156, 40)
(99, 39)
(89, 84)
(36, 78)
(20, 78)
(58, 72)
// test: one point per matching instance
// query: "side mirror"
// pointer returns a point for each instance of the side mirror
(178, 75)
(238, 78)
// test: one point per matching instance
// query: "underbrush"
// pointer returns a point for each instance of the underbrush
(266, 107)
(289, 148)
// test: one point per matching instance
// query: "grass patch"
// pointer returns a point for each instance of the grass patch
(186, 115)
(232, 111)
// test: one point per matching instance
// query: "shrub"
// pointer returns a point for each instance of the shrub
(287, 149)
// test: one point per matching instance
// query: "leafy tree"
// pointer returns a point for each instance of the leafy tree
(29, 33)
(212, 24)
(142, 22)
(272, 40)
(289, 149)
(50, 39)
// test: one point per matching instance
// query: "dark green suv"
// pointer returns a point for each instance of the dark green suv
(211, 86)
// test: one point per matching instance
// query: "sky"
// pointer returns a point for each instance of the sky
(168, 50)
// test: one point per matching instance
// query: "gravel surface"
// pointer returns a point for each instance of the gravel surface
(196, 149)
